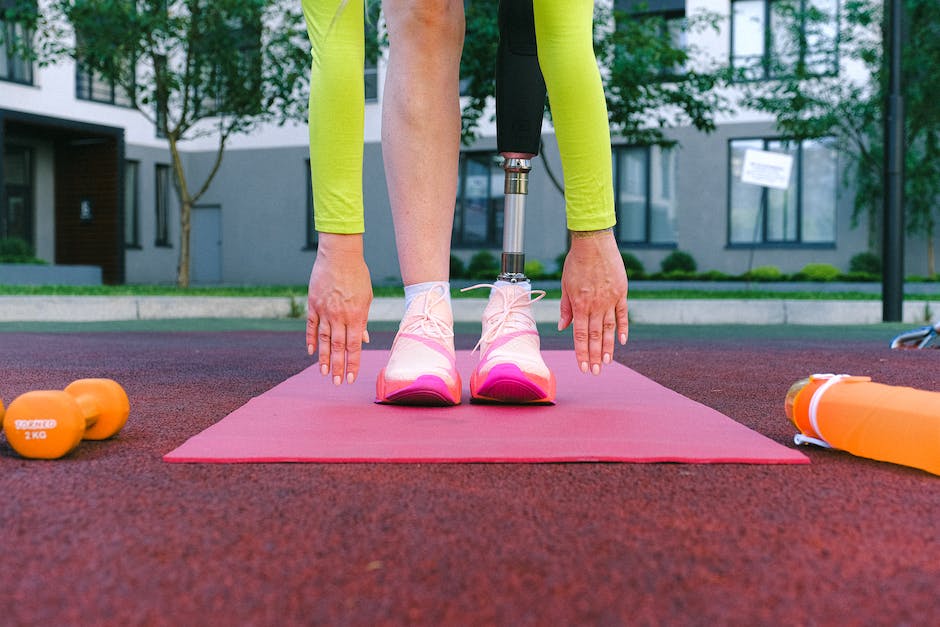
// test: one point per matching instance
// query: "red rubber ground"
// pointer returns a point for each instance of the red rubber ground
(113, 535)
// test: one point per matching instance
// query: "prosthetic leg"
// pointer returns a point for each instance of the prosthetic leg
(520, 104)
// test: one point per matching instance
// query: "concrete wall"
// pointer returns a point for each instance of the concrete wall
(262, 193)
(151, 263)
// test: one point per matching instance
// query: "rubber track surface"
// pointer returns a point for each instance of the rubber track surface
(112, 535)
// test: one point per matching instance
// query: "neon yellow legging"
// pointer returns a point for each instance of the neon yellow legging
(566, 55)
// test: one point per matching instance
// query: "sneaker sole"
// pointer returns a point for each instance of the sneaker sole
(507, 384)
(426, 391)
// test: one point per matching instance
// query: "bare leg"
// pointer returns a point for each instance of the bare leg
(421, 131)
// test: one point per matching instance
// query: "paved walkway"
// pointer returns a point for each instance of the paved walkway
(642, 310)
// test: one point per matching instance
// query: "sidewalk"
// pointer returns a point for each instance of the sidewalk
(642, 310)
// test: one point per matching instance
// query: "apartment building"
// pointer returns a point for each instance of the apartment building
(87, 180)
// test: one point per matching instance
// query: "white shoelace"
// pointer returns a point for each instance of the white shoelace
(428, 323)
(514, 316)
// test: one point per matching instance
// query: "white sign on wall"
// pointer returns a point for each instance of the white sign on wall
(769, 169)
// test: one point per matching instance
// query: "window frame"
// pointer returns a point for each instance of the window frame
(13, 59)
(765, 66)
(132, 213)
(162, 193)
(87, 78)
(493, 238)
(617, 151)
(762, 210)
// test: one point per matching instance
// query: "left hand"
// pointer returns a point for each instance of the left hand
(594, 298)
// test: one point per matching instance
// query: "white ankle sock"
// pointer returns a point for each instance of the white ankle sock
(416, 289)
(523, 284)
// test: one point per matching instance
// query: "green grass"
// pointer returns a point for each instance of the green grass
(300, 291)
(825, 335)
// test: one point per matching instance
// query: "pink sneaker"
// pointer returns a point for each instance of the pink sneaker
(511, 369)
(422, 368)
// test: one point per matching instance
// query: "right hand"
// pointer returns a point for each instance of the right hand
(338, 300)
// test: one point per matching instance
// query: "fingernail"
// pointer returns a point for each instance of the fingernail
(310, 349)
(584, 367)
(350, 377)
(337, 379)
(623, 339)
(324, 369)
(596, 368)
(606, 358)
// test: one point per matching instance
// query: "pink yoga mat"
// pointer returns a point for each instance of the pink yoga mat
(620, 416)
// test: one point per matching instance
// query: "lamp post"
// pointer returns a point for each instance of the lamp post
(892, 278)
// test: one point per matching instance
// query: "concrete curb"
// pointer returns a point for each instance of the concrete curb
(643, 311)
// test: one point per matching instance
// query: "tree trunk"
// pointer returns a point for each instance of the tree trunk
(182, 271)
(186, 205)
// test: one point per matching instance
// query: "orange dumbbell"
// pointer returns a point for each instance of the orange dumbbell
(47, 424)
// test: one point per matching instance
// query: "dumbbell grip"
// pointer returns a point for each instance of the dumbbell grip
(89, 408)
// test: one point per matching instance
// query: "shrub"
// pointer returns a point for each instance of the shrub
(715, 275)
(678, 261)
(677, 275)
(483, 265)
(819, 272)
(634, 266)
(458, 269)
(765, 273)
(866, 263)
(15, 250)
(534, 269)
(560, 262)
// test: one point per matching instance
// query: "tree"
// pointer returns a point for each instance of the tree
(848, 106)
(193, 68)
(649, 79)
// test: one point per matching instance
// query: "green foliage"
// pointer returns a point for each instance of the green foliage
(642, 78)
(810, 104)
(867, 263)
(648, 77)
(823, 272)
(715, 275)
(458, 269)
(191, 67)
(15, 250)
(483, 265)
(678, 261)
(534, 269)
(634, 266)
(764, 273)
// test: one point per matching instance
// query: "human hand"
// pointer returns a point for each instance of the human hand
(338, 300)
(594, 297)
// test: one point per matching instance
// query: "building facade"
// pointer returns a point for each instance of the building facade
(87, 180)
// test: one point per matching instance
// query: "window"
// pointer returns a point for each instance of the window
(803, 214)
(776, 38)
(162, 205)
(92, 85)
(645, 195)
(667, 17)
(16, 41)
(371, 65)
(16, 213)
(478, 219)
(131, 204)
(311, 243)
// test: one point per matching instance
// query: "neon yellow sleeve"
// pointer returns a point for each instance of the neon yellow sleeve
(564, 32)
(337, 112)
